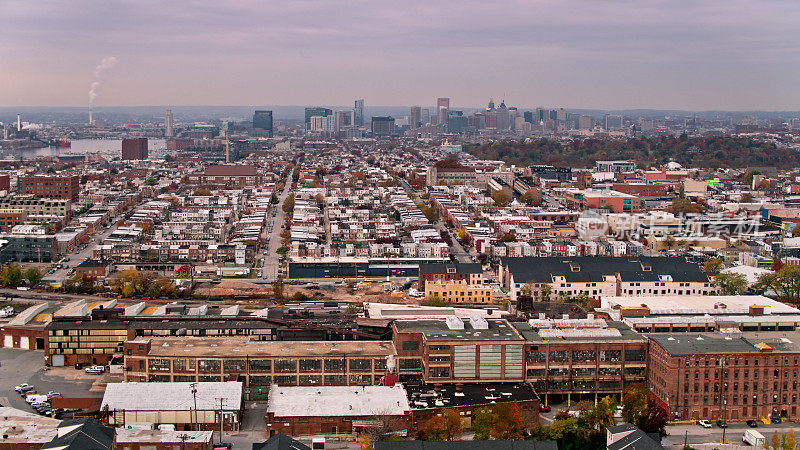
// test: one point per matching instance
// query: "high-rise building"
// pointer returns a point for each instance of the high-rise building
(358, 113)
(262, 122)
(135, 148)
(320, 124)
(316, 111)
(585, 122)
(613, 122)
(426, 116)
(345, 119)
(528, 116)
(442, 106)
(415, 118)
(383, 126)
(169, 125)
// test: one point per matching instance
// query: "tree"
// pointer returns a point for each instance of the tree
(682, 205)
(483, 420)
(731, 283)
(776, 441)
(277, 288)
(634, 402)
(670, 242)
(434, 300)
(713, 265)
(201, 192)
(508, 237)
(431, 213)
(11, 275)
(545, 291)
(531, 199)
(150, 182)
(33, 276)
(510, 423)
(601, 415)
(288, 204)
(282, 250)
(501, 198)
(446, 426)
(791, 441)
(653, 419)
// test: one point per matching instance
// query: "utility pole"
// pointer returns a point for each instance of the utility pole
(221, 401)
(194, 395)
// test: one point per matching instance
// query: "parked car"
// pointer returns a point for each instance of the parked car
(23, 387)
(97, 370)
(544, 408)
(704, 423)
(752, 423)
(53, 394)
(722, 424)
(776, 420)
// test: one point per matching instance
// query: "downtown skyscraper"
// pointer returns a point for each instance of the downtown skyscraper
(358, 112)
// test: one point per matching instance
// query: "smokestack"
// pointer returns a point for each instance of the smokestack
(19, 123)
(91, 120)
(227, 147)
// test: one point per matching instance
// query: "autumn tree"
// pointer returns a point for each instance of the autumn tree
(483, 420)
(501, 198)
(277, 288)
(201, 192)
(446, 426)
(634, 402)
(653, 419)
(288, 204)
(510, 423)
(713, 265)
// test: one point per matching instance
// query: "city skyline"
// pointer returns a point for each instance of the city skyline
(592, 55)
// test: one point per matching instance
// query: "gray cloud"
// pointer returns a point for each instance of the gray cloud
(732, 54)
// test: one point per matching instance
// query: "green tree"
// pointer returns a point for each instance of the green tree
(545, 291)
(33, 276)
(282, 250)
(731, 283)
(483, 420)
(11, 275)
(288, 204)
(434, 300)
(150, 182)
(274, 199)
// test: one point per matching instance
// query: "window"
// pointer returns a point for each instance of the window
(360, 364)
(234, 365)
(260, 365)
(158, 365)
(410, 346)
(285, 365)
(334, 365)
(310, 365)
(208, 365)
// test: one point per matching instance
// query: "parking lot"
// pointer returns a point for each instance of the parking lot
(25, 366)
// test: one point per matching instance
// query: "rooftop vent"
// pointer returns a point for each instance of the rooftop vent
(478, 323)
(454, 323)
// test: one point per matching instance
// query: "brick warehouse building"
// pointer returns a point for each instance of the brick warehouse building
(728, 376)
(470, 273)
(47, 186)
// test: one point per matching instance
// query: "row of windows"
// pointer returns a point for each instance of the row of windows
(264, 365)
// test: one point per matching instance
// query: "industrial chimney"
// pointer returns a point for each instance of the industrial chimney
(19, 123)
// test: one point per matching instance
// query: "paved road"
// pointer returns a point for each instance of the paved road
(76, 258)
(455, 248)
(271, 264)
(733, 434)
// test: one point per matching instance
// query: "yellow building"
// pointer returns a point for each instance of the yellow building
(458, 291)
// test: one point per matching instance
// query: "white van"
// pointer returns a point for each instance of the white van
(753, 438)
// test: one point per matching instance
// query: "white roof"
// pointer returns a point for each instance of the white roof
(699, 304)
(750, 272)
(309, 401)
(175, 396)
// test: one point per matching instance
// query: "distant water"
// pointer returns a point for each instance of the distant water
(108, 148)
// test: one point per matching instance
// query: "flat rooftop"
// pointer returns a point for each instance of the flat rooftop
(425, 396)
(698, 304)
(437, 330)
(766, 342)
(401, 311)
(612, 332)
(337, 401)
(244, 347)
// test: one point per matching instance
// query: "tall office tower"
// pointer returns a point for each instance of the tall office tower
(383, 126)
(528, 116)
(540, 114)
(442, 106)
(613, 122)
(134, 148)
(262, 122)
(316, 111)
(415, 118)
(169, 130)
(358, 113)
(426, 116)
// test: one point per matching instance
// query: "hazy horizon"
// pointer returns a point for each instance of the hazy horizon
(578, 54)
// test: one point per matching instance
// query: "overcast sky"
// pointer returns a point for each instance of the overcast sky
(606, 54)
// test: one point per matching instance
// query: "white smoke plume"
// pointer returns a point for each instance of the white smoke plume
(99, 74)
